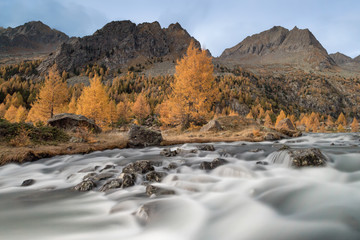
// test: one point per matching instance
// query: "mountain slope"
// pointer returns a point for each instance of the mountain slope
(30, 38)
(346, 62)
(279, 46)
(121, 43)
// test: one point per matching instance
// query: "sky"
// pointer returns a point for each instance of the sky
(217, 24)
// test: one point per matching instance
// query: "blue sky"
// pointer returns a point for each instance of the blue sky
(216, 24)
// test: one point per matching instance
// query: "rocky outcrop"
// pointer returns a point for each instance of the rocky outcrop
(119, 43)
(279, 46)
(73, 122)
(213, 164)
(212, 125)
(141, 167)
(312, 157)
(286, 127)
(140, 136)
(340, 58)
(31, 37)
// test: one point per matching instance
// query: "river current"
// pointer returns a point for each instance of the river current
(238, 200)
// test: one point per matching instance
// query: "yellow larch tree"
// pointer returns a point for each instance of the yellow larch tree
(21, 114)
(72, 105)
(330, 121)
(94, 103)
(267, 121)
(281, 116)
(52, 98)
(341, 120)
(10, 114)
(355, 125)
(340, 128)
(141, 108)
(250, 115)
(193, 92)
(123, 111)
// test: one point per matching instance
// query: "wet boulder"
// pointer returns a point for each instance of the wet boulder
(141, 167)
(140, 136)
(28, 182)
(166, 152)
(111, 184)
(310, 157)
(128, 179)
(155, 176)
(213, 164)
(212, 125)
(206, 147)
(85, 186)
(73, 122)
(151, 189)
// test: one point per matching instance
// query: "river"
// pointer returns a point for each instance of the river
(238, 200)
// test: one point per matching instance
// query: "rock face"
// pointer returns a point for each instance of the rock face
(286, 127)
(213, 164)
(70, 121)
(340, 58)
(307, 157)
(279, 46)
(120, 42)
(346, 62)
(31, 37)
(212, 125)
(140, 136)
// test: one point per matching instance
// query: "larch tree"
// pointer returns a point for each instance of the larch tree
(94, 103)
(281, 116)
(250, 115)
(72, 105)
(141, 108)
(10, 114)
(52, 98)
(2, 110)
(267, 121)
(355, 125)
(341, 120)
(21, 114)
(193, 91)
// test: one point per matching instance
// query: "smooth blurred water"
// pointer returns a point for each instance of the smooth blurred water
(239, 200)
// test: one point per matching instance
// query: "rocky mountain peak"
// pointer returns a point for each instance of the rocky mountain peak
(340, 58)
(119, 43)
(278, 45)
(357, 59)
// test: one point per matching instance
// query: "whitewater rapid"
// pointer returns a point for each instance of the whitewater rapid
(238, 200)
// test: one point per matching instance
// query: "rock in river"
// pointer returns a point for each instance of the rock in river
(140, 136)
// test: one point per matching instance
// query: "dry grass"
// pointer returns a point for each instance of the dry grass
(20, 154)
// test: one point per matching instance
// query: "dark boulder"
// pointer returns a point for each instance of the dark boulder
(28, 182)
(155, 176)
(286, 127)
(150, 190)
(73, 122)
(214, 164)
(166, 152)
(111, 184)
(141, 167)
(128, 180)
(206, 147)
(140, 136)
(85, 186)
(311, 157)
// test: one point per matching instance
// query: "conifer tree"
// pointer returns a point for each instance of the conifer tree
(193, 91)
(341, 120)
(94, 103)
(10, 114)
(123, 111)
(267, 121)
(21, 114)
(341, 128)
(281, 116)
(2, 110)
(72, 105)
(355, 125)
(141, 108)
(52, 98)
(250, 115)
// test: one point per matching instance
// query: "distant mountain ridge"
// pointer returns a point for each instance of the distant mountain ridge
(346, 62)
(279, 45)
(32, 36)
(120, 43)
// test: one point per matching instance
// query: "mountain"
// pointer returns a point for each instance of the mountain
(346, 62)
(30, 38)
(280, 46)
(357, 59)
(120, 44)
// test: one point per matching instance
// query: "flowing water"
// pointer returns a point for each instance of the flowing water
(238, 200)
